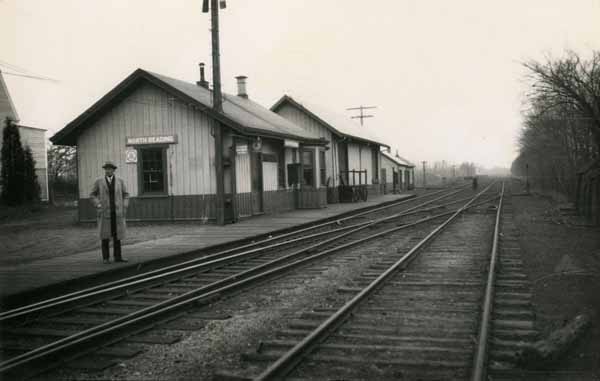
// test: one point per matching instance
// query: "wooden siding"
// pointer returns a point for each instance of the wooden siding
(310, 198)
(375, 190)
(411, 178)
(388, 165)
(310, 124)
(270, 182)
(279, 201)
(244, 204)
(150, 111)
(359, 158)
(391, 169)
(359, 154)
(198, 207)
(269, 176)
(243, 179)
(35, 138)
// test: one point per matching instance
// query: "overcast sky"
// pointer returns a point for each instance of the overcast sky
(445, 75)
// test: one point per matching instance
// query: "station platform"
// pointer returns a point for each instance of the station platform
(26, 283)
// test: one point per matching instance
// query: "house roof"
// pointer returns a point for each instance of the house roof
(399, 160)
(338, 124)
(241, 114)
(7, 107)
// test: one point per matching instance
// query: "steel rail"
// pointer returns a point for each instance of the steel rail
(188, 266)
(209, 257)
(480, 360)
(207, 292)
(289, 360)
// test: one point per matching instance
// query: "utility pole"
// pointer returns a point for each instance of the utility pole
(362, 114)
(217, 106)
(424, 177)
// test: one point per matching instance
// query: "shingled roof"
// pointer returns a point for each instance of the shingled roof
(399, 160)
(241, 114)
(338, 124)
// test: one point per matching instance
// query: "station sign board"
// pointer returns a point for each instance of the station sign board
(145, 140)
(241, 149)
(291, 143)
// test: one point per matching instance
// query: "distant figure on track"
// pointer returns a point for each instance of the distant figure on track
(109, 196)
(475, 185)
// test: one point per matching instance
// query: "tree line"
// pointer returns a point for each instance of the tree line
(559, 144)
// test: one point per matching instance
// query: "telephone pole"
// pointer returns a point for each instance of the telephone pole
(362, 114)
(424, 177)
(217, 106)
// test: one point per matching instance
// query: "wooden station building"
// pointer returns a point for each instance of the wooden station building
(159, 131)
(397, 173)
(351, 156)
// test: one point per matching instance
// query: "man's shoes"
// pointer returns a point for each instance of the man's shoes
(121, 260)
(105, 261)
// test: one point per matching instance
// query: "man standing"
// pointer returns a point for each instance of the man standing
(109, 196)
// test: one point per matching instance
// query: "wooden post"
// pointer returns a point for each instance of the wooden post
(234, 203)
(218, 107)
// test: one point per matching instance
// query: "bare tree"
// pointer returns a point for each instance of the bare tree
(569, 83)
(62, 167)
(561, 129)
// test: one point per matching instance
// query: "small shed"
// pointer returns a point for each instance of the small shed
(33, 137)
(160, 133)
(398, 172)
(351, 156)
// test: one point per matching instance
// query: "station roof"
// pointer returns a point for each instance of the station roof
(338, 124)
(241, 114)
(399, 160)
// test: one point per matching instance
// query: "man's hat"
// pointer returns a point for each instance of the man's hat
(109, 164)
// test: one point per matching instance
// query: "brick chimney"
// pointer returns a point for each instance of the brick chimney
(202, 82)
(241, 85)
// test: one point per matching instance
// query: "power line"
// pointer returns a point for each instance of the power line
(22, 72)
(30, 76)
(15, 67)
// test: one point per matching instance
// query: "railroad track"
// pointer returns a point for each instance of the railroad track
(424, 313)
(292, 238)
(103, 315)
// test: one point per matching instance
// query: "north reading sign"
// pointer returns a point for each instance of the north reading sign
(160, 139)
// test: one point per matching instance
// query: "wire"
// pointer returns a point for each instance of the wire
(22, 72)
(30, 76)
(15, 67)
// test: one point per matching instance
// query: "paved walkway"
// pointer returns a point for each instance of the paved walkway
(17, 279)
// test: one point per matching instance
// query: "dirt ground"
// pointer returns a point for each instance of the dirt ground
(54, 232)
(562, 258)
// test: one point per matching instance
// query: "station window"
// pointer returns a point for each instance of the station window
(308, 168)
(322, 168)
(152, 169)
